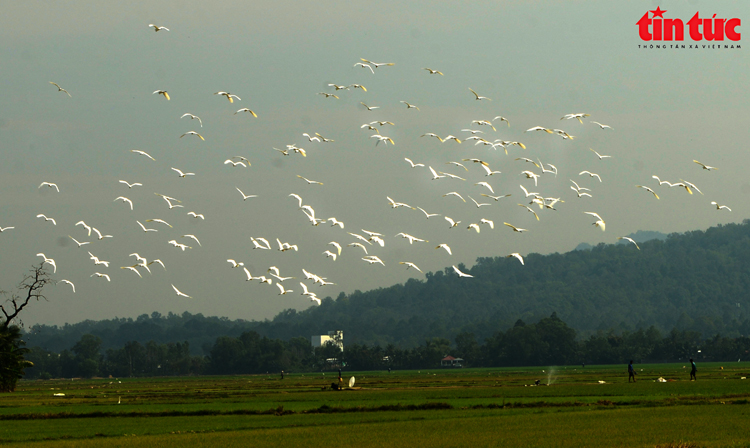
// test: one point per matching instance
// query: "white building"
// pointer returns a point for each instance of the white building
(335, 337)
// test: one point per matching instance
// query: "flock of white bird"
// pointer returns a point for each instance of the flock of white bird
(366, 243)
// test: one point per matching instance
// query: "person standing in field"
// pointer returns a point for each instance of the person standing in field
(631, 371)
(693, 369)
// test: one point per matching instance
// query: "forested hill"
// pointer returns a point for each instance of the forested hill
(693, 281)
(697, 280)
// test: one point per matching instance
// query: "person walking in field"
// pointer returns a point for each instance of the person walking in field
(693, 369)
(631, 371)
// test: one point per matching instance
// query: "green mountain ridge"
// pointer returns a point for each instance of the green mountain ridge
(693, 281)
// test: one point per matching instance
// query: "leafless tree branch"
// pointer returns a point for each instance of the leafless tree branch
(30, 288)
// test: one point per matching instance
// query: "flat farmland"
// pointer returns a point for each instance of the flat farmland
(571, 406)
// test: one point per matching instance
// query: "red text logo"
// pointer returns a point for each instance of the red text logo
(659, 28)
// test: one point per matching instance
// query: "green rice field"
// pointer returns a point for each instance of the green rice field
(573, 406)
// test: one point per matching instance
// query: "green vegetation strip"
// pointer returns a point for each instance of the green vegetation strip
(325, 409)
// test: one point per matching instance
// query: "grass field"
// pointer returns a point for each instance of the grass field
(460, 407)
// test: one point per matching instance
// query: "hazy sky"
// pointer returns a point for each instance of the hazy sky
(536, 60)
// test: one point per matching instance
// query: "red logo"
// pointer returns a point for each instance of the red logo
(659, 28)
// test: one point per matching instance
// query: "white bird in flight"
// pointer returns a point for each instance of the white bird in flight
(531, 175)
(477, 203)
(428, 215)
(336, 245)
(282, 290)
(576, 116)
(413, 165)
(49, 261)
(363, 65)
(485, 184)
(705, 167)
(452, 222)
(529, 209)
(246, 196)
(430, 134)
(100, 275)
(599, 223)
(235, 264)
(99, 234)
(134, 184)
(245, 109)
(453, 193)
(192, 237)
(410, 106)
(435, 175)
(179, 293)
(539, 128)
(590, 174)
(719, 207)
(97, 261)
(145, 229)
(411, 238)
(229, 96)
(599, 155)
(193, 117)
(477, 97)
(517, 256)
(49, 184)
(69, 283)
(124, 199)
(60, 89)
(382, 138)
(42, 215)
(193, 133)
(409, 264)
(461, 274)
(162, 92)
(453, 176)
(647, 189)
(446, 247)
(515, 229)
(157, 28)
(143, 153)
(602, 126)
(378, 64)
(369, 107)
(373, 259)
(358, 245)
(228, 161)
(310, 181)
(132, 268)
(629, 239)
(85, 226)
(160, 221)
(181, 174)
(496, 198)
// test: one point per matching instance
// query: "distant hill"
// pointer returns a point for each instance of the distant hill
(692, 281)
(642, 236)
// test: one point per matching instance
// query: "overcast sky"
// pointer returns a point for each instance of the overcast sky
(536, 60)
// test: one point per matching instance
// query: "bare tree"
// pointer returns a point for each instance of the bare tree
(29, 289)
(12, 351)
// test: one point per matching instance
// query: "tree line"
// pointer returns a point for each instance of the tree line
(696, 281)
(550, 341)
